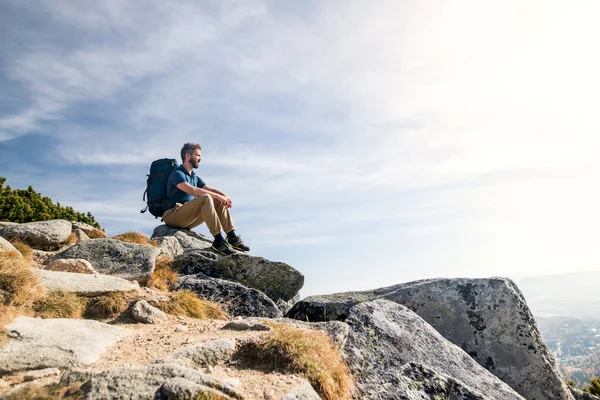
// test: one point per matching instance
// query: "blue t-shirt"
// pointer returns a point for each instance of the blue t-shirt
(177, 176)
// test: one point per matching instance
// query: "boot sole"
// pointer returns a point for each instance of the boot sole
(219, 251)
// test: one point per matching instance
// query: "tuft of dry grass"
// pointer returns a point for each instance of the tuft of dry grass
(96, 234)
(311, 354)
(55, 391)
(188, 304)
(107, 306)
(136, 238)
(19, 286)
(60, 304)
(163, 276)
(72, 239)
(25, 250)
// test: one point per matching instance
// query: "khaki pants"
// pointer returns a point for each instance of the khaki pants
(201, 209)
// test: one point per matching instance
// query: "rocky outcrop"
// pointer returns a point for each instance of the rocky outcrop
(488, 318)
(75, 265)
(275, 279)
(188, 240)
(146, 313)
(235, 298)
(114, 257)
(84, 284)
(154, 381)
(212, 352)
(5, 245)
(42, 343)
(80, 235)
(581, 395)
(40, 234)
(303, 391)
(386, 338)
(169, 246)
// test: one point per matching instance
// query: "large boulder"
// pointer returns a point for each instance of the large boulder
(237, 299)
(42, 343)
(114, 257)
(84, 284)
(148, 383)
(395, 354)
(43, 234)
(277, 280)
(188, 239)
(488, 318)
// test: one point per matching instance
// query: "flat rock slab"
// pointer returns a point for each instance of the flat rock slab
(237, 299)
(188, 239)
(209, 353)
(114, 257)
(62, 343)
(84, 284)
(38, 234)
(488, 318)
(146, 382)
(385, 338)
(277, 280)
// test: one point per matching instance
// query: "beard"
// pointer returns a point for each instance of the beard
(195, 163)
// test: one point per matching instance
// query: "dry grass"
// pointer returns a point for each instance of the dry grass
(163, 276)
(72, 239)
(96, 234)
(311, 354)
(60, 304)
(7, 314)
(19, 285)
(55, 391)
(108, 306)
(136, 238)
(188, 304)
(25, 250)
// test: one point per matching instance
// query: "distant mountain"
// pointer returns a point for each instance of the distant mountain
(575, 294)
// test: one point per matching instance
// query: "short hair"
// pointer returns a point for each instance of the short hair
(189, 148)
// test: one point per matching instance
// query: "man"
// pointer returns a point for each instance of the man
(193, 202)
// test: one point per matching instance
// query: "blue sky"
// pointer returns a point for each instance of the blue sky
(365, 145)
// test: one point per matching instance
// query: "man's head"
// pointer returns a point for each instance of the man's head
(191, 152)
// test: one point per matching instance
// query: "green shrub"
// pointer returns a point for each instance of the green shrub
(594, 387)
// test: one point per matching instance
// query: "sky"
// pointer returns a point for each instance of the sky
(363, 144)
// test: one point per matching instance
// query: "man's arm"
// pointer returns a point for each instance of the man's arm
(196, 191)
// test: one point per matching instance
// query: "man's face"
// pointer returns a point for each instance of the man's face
(195, 158)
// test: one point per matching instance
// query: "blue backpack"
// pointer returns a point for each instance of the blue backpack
(156, 186)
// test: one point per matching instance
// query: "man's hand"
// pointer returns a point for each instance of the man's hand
(225, 200)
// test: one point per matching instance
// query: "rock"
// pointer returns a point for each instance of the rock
(210, 353)
(302, 391)
(146, 313)
(40, 374)
(384, 337)
(581, 395)
(84, 284)
(180, 388)
(235, 298)
(90, 231)
(169, 246)
(5, 245)
(286, 306)
(143, 382)
(194, 261)
(38, 234)
(189, 240)
(240, 325)
(41, 257)
(488, 318)
(275, 279)
(75, 265)
(3, 384)
(81, 235)
(61, 343)
(114, 257)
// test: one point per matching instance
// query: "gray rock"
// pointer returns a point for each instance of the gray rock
(90, 231)
(41, 257)
(212, 352)
(115, 257)
(75, 265)
(141, 383)
(488, 318)
(169, 246)
(303, 391)
(384, 337)
(144, 312)
(81, 235)
(286, 306)
(45, 343)
(188, 239)
(40, 374)
(275, 279)
(581, 395)
(241, 325)
(236, 299)
(194, 262)
(5, 245)
(84, 284)
(180, 389)
(38, 234)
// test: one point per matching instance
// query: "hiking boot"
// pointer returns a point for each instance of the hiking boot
(222, 247)
(237, 243)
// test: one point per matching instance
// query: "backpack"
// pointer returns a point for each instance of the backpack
(156, 186)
